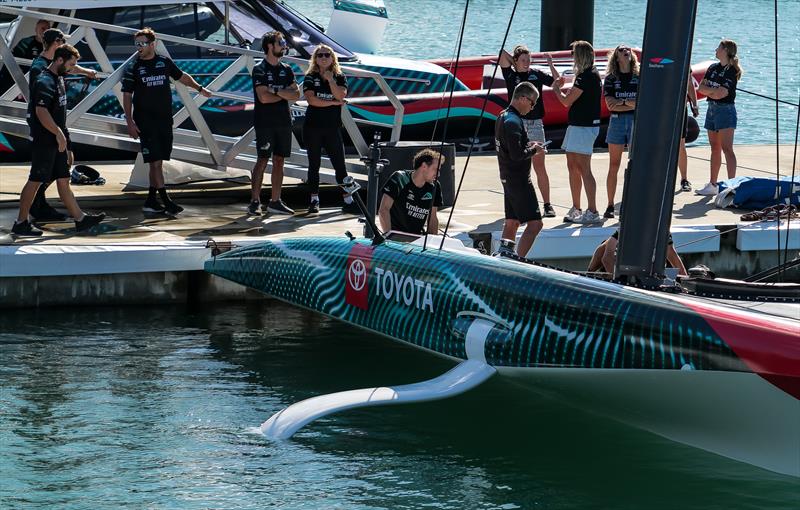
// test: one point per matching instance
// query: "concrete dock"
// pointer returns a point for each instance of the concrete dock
(132, 258)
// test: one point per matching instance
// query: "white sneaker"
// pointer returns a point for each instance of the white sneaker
(573, 214)
(588, 217)
(709, 190)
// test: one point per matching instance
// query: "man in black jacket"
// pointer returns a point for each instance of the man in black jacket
(514, 153)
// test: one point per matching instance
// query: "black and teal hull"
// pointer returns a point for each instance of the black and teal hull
(712, 376)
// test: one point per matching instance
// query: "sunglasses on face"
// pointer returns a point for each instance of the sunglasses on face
(141, 44)
(282, 43)
(323, 55)
(623, 50)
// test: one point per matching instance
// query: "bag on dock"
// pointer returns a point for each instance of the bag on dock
(757, 192)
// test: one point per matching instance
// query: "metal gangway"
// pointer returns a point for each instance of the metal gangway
(196, 152)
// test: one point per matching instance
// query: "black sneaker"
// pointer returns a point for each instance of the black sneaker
(25, 229)
(47, 214)
(549, 212)
(88, 221)
(278, 207)
(253, 209)
(351, 208)
(609, 212)
(686, 185)
(152, 205)
(172, 208)
(313, 208)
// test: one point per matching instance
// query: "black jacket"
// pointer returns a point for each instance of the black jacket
(511, 141)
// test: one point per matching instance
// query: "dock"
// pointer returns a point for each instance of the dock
(131, 258)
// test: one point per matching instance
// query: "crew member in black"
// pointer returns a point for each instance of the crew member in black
(683, 159)
(51, 155)
(325, 89)
(29, 47)
(719, 86)
(147, 101)
(514, 152)
(620, 89)
(273, 87)
(583, 101)
(409, 197)
(41, 211)
(516, 68)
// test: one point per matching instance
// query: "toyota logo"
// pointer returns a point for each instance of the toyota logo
(357, 276)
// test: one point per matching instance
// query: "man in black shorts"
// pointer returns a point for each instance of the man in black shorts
(147, 102)
(41, 211)
(51, 155)
(273, 88)
(411, 197)
(514, 153)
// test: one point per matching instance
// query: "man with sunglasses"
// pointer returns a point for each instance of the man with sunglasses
(41, 211)
(514, 153)
(273, 87)
(147, 101)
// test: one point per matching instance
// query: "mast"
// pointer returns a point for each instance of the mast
(564, 21)
(647, 196)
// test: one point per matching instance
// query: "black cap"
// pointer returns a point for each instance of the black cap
(51, 35)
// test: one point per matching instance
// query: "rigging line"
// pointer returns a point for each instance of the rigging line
(782, 101)
(778, 139)
(447, 116)
(444, 91)
(480, 119)
(791, 185)
(720, 233)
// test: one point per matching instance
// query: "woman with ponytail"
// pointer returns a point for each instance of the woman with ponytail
(719, 86)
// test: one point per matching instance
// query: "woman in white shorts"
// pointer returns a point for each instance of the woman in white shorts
(583, 101)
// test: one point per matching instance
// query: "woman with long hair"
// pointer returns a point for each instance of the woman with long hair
(620, 89)
(325, 89)
(583, 101)
(719, 86)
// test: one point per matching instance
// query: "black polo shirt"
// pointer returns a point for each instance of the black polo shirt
(718, 75)
(39, 64)
(28, 47)
(537, 78)
(148, 80)
(412, 205)
(622, 86)
(586, 110)
(279, 76)
(323, 116)
(50, 93)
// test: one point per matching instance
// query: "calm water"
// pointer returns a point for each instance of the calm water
(150, 408)
(415, 31)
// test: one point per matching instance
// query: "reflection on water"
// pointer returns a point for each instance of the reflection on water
(150, 407)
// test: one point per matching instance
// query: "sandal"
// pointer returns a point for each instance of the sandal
(788, 212)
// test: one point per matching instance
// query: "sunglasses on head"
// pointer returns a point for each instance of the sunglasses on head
(323, 55)
(141, 44)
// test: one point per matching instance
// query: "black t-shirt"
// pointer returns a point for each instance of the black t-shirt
(323, 116)
(511, 145)
(148, 80)
(411, 204)
(718, 75)
(586, 110)
(537, 78)
(279, 76)
(28, 47)
(39, 64)
(50, 93)
(622, 86)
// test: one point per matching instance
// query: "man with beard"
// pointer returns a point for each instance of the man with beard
(41, 211)
(147, 101)
(273, 88)
(51, 156)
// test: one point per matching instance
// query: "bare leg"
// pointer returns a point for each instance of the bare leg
(277, 177)
(542, 180)
(510, 228)
(532, 229)
(726, 142)
(715, 140)
(156, 174)
(26, 197)
(614, 161)
(585, 164)
(68, 199)
(683, 160)
(575, 180)
(257, 179)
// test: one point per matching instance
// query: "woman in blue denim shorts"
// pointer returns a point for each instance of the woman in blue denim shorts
(620, 88)
(719, 86)
(583, 101)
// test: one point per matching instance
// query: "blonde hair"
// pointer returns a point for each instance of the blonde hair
(583, 56)
(733, 60)
(313, 67)
(613, 64)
